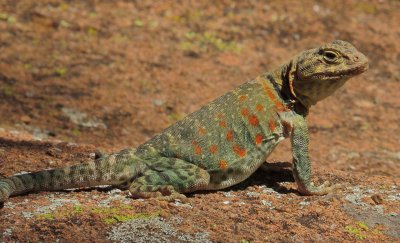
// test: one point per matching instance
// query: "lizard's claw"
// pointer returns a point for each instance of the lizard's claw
(323, 189)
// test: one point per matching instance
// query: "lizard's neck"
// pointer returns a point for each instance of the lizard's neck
(282, 78)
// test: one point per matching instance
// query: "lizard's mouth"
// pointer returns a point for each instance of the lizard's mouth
(354, 70)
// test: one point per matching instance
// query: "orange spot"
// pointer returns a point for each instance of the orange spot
(197, 150)
(242, 97)
(259, 138)
(213, 149)
(253, 120)
(223, 164)
(259, 107)
(239, 151)
(229, 135)
(219, 115)
(245, 112)
(279, 106)
(202, 131)
(272, 125)
(222, 124)
(194, 142)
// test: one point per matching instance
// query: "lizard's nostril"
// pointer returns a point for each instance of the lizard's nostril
(356, 58)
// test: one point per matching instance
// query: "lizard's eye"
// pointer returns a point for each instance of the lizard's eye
(330, 56)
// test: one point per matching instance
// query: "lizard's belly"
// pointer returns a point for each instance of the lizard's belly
(242, 168)
(261, 141)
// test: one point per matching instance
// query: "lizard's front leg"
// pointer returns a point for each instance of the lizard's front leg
(301, 160)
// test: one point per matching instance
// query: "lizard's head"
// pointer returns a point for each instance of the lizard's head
(317, 73)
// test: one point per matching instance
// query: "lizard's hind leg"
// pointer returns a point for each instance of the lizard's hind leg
(167, 178)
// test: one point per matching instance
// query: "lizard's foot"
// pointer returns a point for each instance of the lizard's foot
(323, 189)
(164, 192)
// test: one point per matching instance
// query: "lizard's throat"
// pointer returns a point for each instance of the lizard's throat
(309, 93)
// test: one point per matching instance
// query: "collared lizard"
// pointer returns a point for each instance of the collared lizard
(224, 142)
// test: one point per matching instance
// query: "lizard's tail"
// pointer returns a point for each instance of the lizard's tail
(113, 169)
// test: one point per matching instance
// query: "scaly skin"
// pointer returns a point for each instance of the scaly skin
(224, 142)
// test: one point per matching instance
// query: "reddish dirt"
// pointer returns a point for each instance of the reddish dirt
(76, 76)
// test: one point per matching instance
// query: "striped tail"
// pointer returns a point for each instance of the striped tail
(113, 169)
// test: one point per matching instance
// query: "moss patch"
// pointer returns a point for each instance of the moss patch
(109, 215)
(361, 230)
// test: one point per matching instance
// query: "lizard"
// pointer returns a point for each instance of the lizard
(223, 142)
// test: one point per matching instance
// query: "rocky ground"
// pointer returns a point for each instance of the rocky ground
(76, 76)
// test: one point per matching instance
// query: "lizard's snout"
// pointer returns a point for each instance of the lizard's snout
(362, 62)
